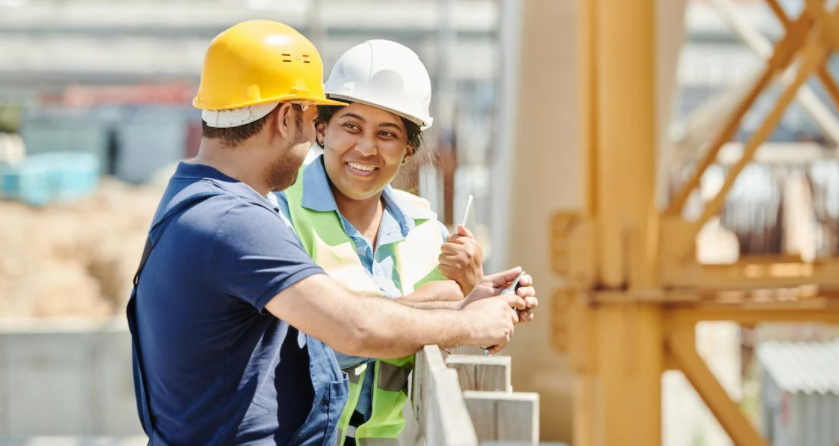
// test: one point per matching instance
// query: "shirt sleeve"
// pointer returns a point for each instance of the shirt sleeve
(255, 255)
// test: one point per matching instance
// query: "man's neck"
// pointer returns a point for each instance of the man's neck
(232, 163)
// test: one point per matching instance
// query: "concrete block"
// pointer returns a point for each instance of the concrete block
(5, 407)
(66, 378)
(72, 441)
(48, 382)
(113, 394)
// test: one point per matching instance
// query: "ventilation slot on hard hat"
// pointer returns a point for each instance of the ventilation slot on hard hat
(286, 55)
(305, 58)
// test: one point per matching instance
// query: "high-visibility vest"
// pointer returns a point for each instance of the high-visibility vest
(323, 237)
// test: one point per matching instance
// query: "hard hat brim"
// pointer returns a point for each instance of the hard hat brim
(245, 115)
(197, 103)
(423, 123)
(326, 101)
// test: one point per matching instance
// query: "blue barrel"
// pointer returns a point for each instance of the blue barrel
(51, 178)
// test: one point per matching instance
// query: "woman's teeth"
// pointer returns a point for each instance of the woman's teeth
(362, 167)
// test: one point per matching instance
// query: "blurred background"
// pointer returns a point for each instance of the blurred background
(95, 112)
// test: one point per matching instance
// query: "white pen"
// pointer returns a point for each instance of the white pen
(466, 212)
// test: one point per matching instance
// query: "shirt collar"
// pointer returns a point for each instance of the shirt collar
(317, 196)
(194, 171)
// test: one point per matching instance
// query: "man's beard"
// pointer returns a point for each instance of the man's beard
(282, 173)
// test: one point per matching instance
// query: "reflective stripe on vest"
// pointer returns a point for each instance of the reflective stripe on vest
(323, 237)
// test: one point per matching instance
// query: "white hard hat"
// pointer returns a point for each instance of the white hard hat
(386, 75)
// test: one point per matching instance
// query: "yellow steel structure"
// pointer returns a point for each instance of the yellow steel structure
(633, 290)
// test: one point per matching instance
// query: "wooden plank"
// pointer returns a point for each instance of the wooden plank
(419, 380)
(518, 417)
(504, 416)
(438, 402)
(483, 412)
(450, 422)
(522, 443)
(489, 373)
(467, 350)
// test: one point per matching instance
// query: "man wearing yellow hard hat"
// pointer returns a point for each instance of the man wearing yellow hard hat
(230, 318)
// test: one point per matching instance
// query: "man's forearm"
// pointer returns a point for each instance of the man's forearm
(369, 326)
(424, 304)
(393, 329)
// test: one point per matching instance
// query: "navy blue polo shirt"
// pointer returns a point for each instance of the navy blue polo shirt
(219, 368)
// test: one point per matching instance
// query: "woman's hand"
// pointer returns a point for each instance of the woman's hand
(527, 292)
(524, 297)
(462, 259)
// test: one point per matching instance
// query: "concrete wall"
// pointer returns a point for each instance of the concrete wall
(66, 378)
(538, 171)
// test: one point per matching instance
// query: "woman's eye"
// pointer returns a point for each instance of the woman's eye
(388, 134)
(350, 126)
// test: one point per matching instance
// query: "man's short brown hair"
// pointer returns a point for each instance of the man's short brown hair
(233, 136)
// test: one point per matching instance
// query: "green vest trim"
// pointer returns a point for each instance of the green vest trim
(323, 237)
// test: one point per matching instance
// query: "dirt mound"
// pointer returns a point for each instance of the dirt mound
(76, 259)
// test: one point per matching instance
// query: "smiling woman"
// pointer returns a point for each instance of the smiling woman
(368, 235)
(366, 148)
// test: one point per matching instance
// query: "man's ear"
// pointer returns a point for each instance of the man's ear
(321, 132)
(285, 120)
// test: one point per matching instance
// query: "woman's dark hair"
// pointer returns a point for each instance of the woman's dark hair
(415, 138)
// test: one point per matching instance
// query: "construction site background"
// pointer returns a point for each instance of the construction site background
(113, 81)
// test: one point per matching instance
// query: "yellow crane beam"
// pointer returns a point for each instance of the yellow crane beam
(632, 290)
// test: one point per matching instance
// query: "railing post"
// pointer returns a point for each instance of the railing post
(470, 402)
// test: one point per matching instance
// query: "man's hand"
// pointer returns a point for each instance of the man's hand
(485, 299)
(522, 302)
(493, 322)
(462, 259)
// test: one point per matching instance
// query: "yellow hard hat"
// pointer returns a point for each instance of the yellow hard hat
(257, 64)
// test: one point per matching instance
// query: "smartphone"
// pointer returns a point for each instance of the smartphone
(514, 285)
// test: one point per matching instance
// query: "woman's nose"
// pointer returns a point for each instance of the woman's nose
(366, 146)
